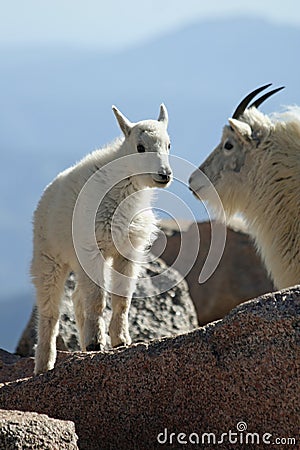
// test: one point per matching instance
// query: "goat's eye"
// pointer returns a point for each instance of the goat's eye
(140, 148)
(169, 146)
(228, 145)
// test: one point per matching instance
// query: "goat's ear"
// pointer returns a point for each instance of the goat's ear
(242, 129)
(123, 122)
(163, 115)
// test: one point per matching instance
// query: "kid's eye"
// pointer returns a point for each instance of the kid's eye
(140, 148)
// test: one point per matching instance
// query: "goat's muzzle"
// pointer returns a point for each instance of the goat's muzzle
(163, 176)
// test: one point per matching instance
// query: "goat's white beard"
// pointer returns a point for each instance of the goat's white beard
(212, 202)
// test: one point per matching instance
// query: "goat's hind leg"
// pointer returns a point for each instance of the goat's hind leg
(89, 303)
(48, 277)
(124, 277)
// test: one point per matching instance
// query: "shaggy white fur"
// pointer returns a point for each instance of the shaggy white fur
(121, 175)
(256, 171)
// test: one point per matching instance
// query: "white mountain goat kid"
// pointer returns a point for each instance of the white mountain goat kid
(122, 228)
(256, 171)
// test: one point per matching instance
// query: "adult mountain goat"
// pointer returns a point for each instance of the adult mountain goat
(98, 211)
(256, 171)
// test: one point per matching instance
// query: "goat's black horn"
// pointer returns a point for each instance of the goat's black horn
(245, 102)
(264, 97)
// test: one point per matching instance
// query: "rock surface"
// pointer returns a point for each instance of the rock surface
(240, 372)
(240, 275)
(29, 430)
(157, 314)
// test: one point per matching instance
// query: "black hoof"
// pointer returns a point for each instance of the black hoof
(94, 348)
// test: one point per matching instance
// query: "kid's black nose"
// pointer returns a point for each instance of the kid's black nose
(164, 175)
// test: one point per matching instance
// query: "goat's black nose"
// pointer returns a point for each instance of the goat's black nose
(164, 177)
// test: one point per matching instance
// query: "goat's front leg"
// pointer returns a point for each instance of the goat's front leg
(123, 282)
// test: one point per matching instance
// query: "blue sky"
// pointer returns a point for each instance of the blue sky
(115, 24)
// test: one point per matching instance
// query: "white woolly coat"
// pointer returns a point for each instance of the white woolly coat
(53, 232)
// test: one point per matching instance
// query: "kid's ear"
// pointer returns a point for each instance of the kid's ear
(242, 129)
(163, 115)
(123, 122)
